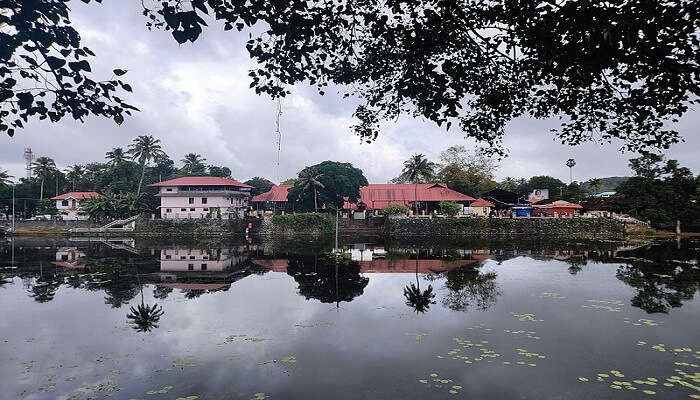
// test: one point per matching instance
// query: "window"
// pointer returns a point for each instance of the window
(190, 267)
(191, 200)
(191, 209)
(204, 200)
(191, 257)
(205, 209)
(168, 256)
(64, 203)
(204, 267)
(183, 258)
(167, 210)
(169, 189)
(183, 209)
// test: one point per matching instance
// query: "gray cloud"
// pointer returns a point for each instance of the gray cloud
(196, 98)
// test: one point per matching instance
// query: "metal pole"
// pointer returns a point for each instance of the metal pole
(336, 230)
(13, 209)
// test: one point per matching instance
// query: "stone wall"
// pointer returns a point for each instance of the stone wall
(194, 227)
(583, 228)
(44, 227)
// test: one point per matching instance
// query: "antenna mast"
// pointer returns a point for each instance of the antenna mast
(29, 159)
(278, 137)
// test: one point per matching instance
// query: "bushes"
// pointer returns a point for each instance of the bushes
(450, 208)
(394, 209)
(309, 222)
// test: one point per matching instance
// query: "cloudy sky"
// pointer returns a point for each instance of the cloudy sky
(196, 98)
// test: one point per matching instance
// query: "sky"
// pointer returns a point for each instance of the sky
(196, 98)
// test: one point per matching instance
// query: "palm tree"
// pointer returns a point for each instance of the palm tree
(415, 169)
(145, 148)
(309, 179)
(144, 317)
(75, 173)
(5, 178)
(571, 163)
(419, 301)
(116, 156)
(43, 167)
(194, 164)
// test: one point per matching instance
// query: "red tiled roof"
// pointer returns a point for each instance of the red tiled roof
(376, 196)
(482, 203)
(76, 195)
(278, 193)
(201, 181)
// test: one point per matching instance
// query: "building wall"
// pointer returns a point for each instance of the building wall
(71, 211)
(481, 211)
(199, 206)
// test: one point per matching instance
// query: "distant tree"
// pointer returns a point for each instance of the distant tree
(194, 164)
(43, 168)
(289, 181)
(662, 192)
(5, 178)
(145, 148)
(594, 184)
(574, 193)
(571, 163)
(163, 169)
(260, 185)
(417, 169)
(222, 172)
(75, 174)
(46, 207)
(510, 184)
(116, 156)
(340, 181)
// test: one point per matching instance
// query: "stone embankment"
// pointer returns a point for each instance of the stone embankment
(317, 225)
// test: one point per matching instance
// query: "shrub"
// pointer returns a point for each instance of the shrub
(450, 208)
(394, 209)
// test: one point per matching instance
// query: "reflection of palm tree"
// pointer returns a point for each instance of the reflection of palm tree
(419, 301)
(144, 317)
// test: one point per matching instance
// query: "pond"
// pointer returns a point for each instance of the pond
(135, 319)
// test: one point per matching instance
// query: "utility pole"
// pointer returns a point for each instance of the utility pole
(13, 212)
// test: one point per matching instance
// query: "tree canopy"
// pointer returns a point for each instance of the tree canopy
(260, 185)
(340, 181)
(614, 71)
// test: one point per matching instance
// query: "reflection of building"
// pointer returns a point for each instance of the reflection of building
(174, 260)
(69, 257)
(202, 197)
(68, 205)
(198, 270)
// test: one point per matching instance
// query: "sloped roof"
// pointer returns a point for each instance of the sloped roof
(481, 203)
(76, 195)
(380, 195)
(277, 193)
(201, 181)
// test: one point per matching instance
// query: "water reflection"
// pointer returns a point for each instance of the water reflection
(662, 275)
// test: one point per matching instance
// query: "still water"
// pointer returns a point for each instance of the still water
(126, 319)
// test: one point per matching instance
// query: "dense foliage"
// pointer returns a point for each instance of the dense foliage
(394, 209)
(260, 185)
(661, 192)
(450, 208)
(118, 177)
(329, 183)
(613, 71)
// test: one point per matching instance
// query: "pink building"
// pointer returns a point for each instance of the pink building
(202, 197)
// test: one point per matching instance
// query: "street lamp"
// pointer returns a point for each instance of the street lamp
(13, 210)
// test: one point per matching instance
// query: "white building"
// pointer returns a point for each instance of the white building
(202, 197)
(68, 205)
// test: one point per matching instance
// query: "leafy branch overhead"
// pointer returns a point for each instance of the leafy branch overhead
(45, 72)
(615, 71)
(611, 71)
